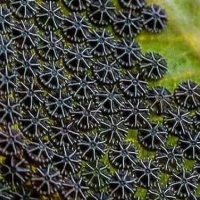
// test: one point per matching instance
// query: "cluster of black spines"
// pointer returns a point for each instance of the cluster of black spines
(71, 89)
(152, 136)
(123, 156)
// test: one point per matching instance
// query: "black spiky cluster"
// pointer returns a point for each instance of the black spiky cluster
(70, 92)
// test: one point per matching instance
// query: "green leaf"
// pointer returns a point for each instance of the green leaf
(179, 43)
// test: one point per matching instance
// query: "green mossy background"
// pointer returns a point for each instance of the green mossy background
(179, 43)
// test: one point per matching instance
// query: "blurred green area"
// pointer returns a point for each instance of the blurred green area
(179, 43)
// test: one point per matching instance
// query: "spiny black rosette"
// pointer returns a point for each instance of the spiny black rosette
(123, 156)
(24, 9)
(160, 99)
(50, 47)
(133, 85)
(127, 24)
(187, 94)
(86, 115)
(73, 187)
(96, 175)
(76, 28)
(107, 71)
(127, 53)
(15, 170)
(153, 65)
(190, 145)
(100, 12)
(78, 58)
(58, 104)
(33, 123)
(132, 4)
(11, 141)
(82, 86)
(92, 147)
(183, 183)
(29, 95)
(8, 80)
(40, 151)
(46, 180)
(5, 19)
(147, 173)
(52, 75)
(169, 158)
(25, 35)
(155, 18)
(9, 110)
(68, 161)
(135, 113)
(49, 16)
(177, 121)
(110, 100)
(6, 50)
(26, 64)
(160, 192)
(64, 132)
(152, 136)
(113, 129)
(101, 42)
(122, 185)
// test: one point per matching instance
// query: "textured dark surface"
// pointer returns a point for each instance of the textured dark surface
(81, 104)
